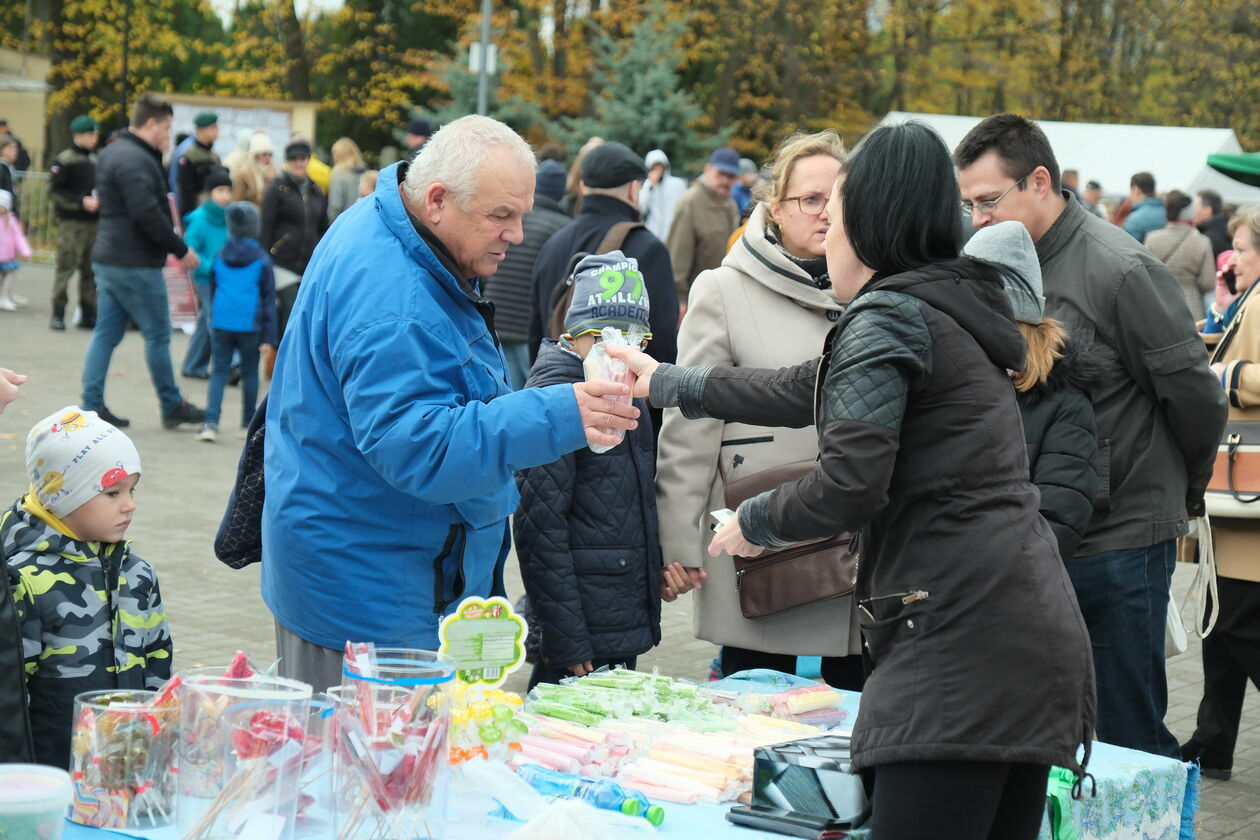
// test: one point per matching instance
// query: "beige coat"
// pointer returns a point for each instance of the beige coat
(748, 314)
(1236, 542)
(250, 182)
(1188, 255)
(703, 222)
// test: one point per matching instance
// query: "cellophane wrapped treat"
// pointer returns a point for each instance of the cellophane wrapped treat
(599, 366)
(242, 752)
(122, 755)
(391, 733)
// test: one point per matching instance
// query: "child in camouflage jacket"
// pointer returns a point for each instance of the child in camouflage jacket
(89, 611)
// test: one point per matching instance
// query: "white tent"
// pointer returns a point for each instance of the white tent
(1111, 154)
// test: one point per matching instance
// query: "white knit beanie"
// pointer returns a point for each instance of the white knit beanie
(73, 455)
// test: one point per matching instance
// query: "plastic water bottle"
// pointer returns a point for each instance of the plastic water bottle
(601, 793)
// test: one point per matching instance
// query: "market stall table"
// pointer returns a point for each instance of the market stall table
(1140, 797)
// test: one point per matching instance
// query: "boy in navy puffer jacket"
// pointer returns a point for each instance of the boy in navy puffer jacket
(586, 531)
(243, 319)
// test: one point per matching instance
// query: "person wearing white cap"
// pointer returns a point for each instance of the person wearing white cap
(89, 611)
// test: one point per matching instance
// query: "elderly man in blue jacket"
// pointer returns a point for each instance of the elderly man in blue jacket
(392, 433)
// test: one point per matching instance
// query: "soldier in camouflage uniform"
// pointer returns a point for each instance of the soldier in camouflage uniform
(89, 611)
(196, 163)
(73, 185)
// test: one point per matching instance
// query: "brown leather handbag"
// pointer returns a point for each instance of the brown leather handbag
(802, 574)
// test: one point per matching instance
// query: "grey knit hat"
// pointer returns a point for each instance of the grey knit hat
(1009, 245)
(608, 291)
(242, 219)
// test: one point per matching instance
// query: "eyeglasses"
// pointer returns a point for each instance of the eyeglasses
(987, 207)
(813, 204)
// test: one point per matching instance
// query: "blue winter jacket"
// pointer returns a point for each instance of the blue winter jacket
(1148, 215)
(392, 440)
(205, 231)
(244, 290)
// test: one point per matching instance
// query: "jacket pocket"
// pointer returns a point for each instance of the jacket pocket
(1175, 357)
(892, 647)
(456, 540)
(1102, 499)
(612, 597)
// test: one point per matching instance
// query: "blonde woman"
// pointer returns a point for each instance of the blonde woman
(348, 169)
(768, 305)
(250, 181)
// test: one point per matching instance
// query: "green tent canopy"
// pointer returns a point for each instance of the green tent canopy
(1244, 167)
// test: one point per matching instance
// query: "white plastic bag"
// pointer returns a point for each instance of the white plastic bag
(599, 366)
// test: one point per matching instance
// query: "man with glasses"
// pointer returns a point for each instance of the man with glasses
(1159, 409)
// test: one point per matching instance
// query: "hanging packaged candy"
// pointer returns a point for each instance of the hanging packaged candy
(391, 730)
(599, 366)
(122, 752)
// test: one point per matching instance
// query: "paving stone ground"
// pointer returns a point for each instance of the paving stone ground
(214, 610)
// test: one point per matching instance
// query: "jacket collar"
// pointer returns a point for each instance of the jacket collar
(80, 149)
(1063, 229)
(126, 134)
(546, 202)
(393, 212)
(760, 259)
(605, 206)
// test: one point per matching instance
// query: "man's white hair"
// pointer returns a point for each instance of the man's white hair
(456, 153)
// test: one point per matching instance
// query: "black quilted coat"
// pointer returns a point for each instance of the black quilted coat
(588, 541)
(1062, 443)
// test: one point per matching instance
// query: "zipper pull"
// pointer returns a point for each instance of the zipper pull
(739, 579)
(736, 463)
(916, 595)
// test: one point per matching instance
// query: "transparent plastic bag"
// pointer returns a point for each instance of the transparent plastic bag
(599, 366)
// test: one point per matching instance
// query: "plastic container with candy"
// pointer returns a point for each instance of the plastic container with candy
(122, 755)
(599, 366)
(242, 751)
(391, 731)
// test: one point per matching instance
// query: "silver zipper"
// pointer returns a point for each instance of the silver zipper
(907, 598)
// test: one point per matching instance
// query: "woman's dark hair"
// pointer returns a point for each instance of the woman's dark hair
(1175, 202)
(901, 200)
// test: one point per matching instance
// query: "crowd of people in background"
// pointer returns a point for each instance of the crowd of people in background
(1091, 467)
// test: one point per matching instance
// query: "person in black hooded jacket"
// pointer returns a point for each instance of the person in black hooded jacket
(587, 535)
(1058, 414)
(981, 673)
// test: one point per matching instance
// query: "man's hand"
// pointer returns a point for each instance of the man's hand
(641, 363)
(190, 261)
(9, 384)
(730, 538)
(677, 579)
(581, 669)
(91, 203)
(601, 415)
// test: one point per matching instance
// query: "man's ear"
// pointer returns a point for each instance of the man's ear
(436, 200)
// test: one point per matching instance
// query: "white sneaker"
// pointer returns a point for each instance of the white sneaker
(209, 433)
(8, 306)
(20, 300)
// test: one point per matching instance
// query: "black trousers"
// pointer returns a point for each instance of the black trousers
(844, 672)
(545, 671)
(1231, 656)
(958, 800)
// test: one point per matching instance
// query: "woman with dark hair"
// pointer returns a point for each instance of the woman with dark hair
(982, 676)
(1186, 252)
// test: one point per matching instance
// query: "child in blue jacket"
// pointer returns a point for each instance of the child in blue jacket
(243, 314)
(205, 231)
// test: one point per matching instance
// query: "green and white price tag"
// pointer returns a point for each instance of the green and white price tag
(486, 638)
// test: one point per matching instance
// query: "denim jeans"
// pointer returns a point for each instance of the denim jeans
(197, 357)
(1124, 598)
(125, 294)
(517, 355)
(222, 345)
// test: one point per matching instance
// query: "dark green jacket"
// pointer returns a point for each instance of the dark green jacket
(195, 165)
(1159, 409)
(72, 179)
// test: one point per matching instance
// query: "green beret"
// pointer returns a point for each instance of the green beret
(205, 118)
(82, 123)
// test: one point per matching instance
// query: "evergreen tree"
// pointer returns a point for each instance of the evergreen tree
(638, 97)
